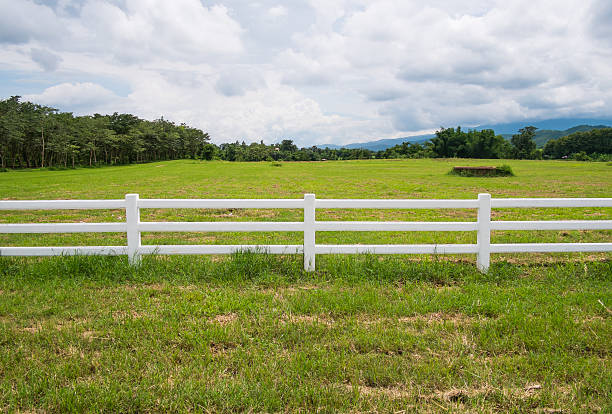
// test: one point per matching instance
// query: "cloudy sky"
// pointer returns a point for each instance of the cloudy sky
(317, 71)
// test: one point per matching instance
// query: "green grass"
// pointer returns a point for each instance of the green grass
(344, 179)
(256, 333)
(252, 332)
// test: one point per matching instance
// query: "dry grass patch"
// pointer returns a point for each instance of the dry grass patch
(91, 335)
(393, 393)
(224, 319)
(460, 396)
(322, 319)
(32, 329)
(136, 288)
(303, 287)
(456, 319)
(222, 348)
(123, 315)
(70, 323)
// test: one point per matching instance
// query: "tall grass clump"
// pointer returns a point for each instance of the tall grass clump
(254, 268)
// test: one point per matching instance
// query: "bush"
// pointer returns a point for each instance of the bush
(581, 156)
(504, 171)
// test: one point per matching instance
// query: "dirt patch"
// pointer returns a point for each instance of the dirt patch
(453, 395)
(299, 288)
(458, 395)
(224, 319)
(309, 319)
(65, 324)
(590, 319)
(188, 288)
(532, 388)
(456, 319)
(124, 315)
(91, 335)
(445, 288)
(155, 286)
(88, 334)
(33, 329)
(394, 393)
(130, 288)
(70, 351)
(220, 348)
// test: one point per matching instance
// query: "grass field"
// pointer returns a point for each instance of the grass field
(345, 179)
(255, 333)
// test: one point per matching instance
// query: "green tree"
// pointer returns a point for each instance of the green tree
(523, 143)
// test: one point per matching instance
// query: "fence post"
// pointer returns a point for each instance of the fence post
(484, 232)
(132, 218)
(309, 232)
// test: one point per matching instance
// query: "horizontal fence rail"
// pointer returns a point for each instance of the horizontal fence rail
(61, 204)
(133, 227)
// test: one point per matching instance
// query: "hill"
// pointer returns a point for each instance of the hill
(559, 124)
(381, 144)
(542, 136)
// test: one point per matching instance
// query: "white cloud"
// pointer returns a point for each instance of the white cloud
(23, 21)
(317, 71)
(278, 11)
(146, 29)
(74, 95)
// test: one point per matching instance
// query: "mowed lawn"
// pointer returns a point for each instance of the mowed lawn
(340, 179)
(254, 333)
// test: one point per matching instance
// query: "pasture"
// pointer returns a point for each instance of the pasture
(253, 332)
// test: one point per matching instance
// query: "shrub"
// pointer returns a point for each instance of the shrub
(504, 171)
(581, 156)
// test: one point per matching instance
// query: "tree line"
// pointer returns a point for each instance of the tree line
(34, 136)
(589, 145)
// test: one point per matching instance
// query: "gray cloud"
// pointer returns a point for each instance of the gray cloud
(25, 21)
(47, 60)
(601, 18)
(383, 95)
(318, 70)
(410, 118)
(238, 81)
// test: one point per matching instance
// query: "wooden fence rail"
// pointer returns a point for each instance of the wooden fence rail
(133, 227)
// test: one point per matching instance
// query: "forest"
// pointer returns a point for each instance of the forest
(35, 136)
(38, 136)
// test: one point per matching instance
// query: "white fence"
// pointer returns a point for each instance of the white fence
(309, 226)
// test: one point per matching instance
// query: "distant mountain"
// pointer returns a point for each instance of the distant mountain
(547, 130)
(382, 144)
(542, 136)
(560, 124)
